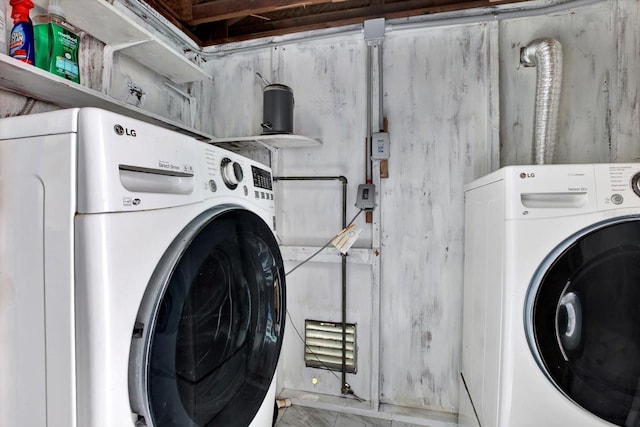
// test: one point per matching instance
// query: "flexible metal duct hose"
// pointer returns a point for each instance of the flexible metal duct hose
(546, 54)
(28, 106)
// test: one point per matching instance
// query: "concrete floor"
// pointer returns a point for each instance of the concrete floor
(297, 416)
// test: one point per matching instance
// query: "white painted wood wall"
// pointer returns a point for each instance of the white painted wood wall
(459, 105)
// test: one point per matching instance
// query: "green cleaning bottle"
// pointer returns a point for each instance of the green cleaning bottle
(41, 36)
(57, 44)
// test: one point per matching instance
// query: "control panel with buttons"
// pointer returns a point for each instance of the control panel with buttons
(228, 173)
(618, 185)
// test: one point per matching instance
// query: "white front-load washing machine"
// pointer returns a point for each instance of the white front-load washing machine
(140, 280)
(551, 328)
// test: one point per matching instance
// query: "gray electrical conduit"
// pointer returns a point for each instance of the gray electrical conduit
(345, 388)
(546, 55)
(368, 173)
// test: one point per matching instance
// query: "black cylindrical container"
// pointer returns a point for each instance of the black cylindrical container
(277, 113)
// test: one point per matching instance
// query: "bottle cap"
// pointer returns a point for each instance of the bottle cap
(26, 3)
(20, 8)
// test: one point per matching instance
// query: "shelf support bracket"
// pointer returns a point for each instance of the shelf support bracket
(191, 101)
(107, 61)
(273, 150)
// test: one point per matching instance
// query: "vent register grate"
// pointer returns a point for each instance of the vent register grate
(323, 346)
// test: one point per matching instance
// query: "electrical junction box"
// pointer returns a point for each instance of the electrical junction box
(380, 146)
(374, 31)
(366, 198)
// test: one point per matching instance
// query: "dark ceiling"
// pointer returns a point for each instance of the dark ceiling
(211, 22)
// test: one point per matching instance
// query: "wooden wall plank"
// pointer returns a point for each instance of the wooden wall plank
(437, 99)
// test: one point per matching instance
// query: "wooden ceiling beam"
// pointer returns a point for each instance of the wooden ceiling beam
(221, 10)
(342, 18)
(171, 16)
(179, 9)
(356, 15)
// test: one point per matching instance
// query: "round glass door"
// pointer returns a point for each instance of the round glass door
(210, 328)
(584, 320)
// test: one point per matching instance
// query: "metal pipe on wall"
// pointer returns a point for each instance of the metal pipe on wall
(369, 113)
(376, 246)
(380, 91)
(374, 34)
(344, 387)
(546, 54)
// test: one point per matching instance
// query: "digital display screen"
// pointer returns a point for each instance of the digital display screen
(261, 178)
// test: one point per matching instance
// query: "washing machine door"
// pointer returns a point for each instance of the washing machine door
(209, 330)
(583, 320)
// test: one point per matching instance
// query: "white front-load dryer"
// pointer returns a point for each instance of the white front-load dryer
(140, 280)
(552, 297)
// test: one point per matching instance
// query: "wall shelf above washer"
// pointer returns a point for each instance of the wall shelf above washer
(111, 26)
(267, 141)
(24, 79)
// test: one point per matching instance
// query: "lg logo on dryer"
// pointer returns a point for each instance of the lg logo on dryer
(524, 175)
(119, 130)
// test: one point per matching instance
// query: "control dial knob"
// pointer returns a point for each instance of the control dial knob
(231, 173)
(635, 184)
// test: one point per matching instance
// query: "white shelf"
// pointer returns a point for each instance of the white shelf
(268, 141)
(109, 25)
(28, 80)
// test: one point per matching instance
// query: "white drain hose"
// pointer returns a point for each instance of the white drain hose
(546, 54)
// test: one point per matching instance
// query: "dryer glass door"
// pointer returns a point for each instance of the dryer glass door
(584, 320)
(210, 327)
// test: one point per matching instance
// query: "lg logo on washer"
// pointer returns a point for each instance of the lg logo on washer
(527, 175)
(119, 130)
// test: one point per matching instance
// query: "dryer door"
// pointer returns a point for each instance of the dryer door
(583, 320)
(210, 327)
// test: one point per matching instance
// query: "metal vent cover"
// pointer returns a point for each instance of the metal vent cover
(323, 345)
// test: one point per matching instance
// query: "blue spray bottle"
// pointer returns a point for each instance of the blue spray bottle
(21, 43)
